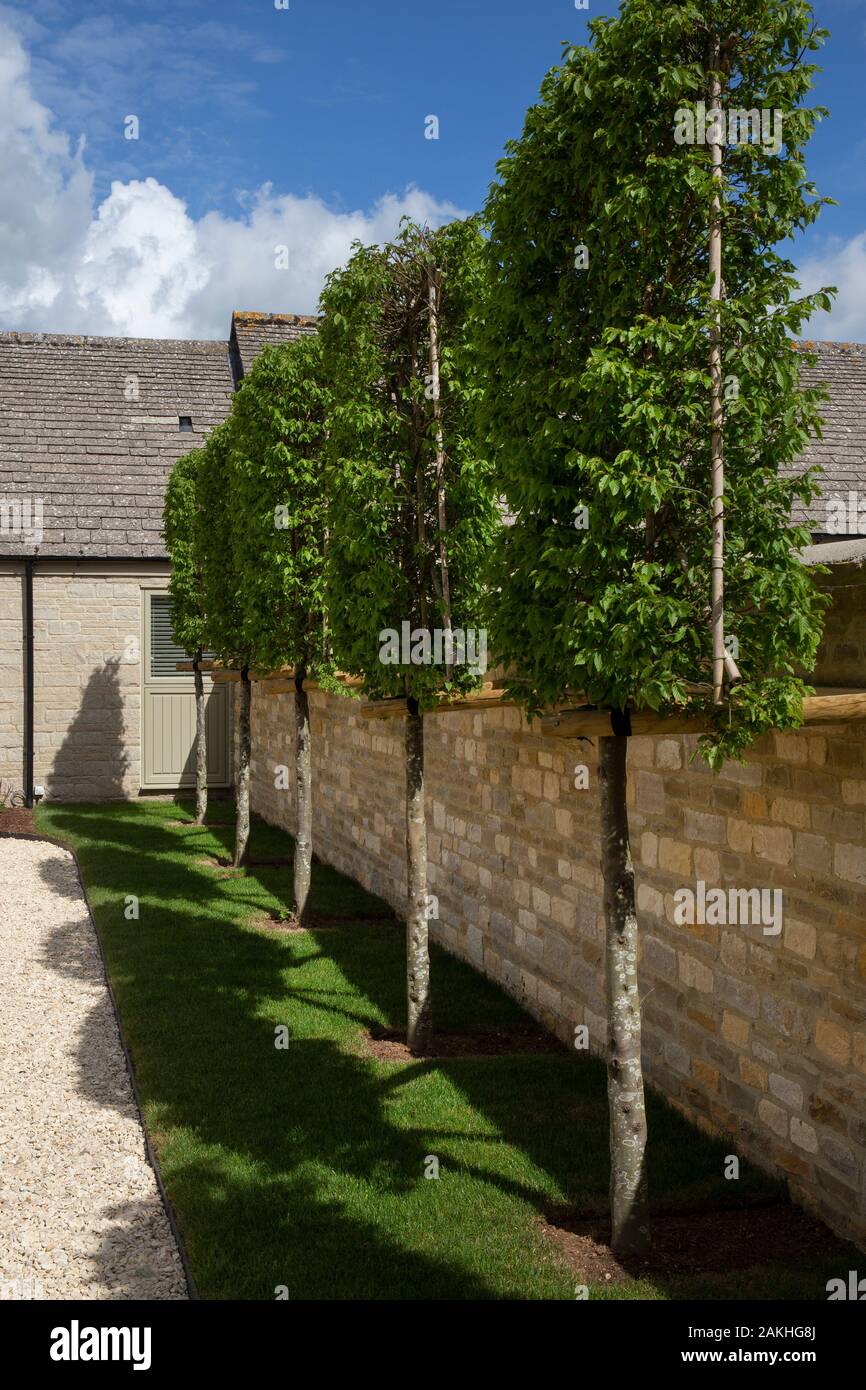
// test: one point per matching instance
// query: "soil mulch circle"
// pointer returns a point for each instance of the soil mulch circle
(387, 1045)
(222, 861)
(225, 868)
(696, 1243)
(17, 820)
(319, 921)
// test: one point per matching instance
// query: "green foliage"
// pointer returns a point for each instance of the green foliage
(278, 506)
(597, 387)
(215, 519)
(383, 565)
(185, 584)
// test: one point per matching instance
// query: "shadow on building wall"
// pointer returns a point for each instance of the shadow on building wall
(92, 763)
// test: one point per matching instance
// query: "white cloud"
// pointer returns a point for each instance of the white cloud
(141, 263)
(138, 264)
(47, 191)
(842, 264)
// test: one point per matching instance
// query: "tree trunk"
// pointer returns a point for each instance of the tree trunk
(242, 779)
(419, 1018)
(717, 594)
(200, 743)
(418, 438)
(433, 317)
(304, 793)
(625, 1093)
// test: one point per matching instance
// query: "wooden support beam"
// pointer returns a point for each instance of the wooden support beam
(280, 682)
(475, 700)
(203, 666)
(383, 709)
(276, 685)
(835, 706)
(587, 721)
(826, 706)
(490, 696)
(285, 684)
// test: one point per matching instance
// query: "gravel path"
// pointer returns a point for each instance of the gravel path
(80, 1212)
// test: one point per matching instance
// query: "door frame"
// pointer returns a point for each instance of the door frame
(183, 686)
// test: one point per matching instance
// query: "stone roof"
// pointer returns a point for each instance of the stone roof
(90, 430)
(252, 331)
(842, 451)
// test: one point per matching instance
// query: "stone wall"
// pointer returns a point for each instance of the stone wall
(753, 1033)
(87, 679)
(11, 678)
(842, 657)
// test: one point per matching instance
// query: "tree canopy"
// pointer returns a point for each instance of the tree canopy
(596, 383)
(185, 583)
(215, 520)
(278, 506)
(390, 560)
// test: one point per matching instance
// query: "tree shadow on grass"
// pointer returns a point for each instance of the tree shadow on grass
(271, 1156)
(319, 1132)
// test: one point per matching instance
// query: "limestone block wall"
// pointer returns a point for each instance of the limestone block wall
(11, 678)
(842, 655)
(758, 1035)
(87, 658)
(87, 680)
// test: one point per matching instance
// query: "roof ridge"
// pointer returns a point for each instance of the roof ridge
(825, 344)
(265, 316)
(98, 340)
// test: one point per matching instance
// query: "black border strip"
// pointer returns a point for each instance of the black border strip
(150, 1152)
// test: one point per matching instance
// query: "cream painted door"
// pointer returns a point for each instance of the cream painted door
(168, 710)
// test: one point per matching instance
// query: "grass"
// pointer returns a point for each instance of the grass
(304, 1167)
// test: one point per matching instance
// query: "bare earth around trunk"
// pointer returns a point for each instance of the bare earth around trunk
(80, 1211)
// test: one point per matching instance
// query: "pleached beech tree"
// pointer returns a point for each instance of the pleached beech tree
(411, 514)
(605, 430)
(224, 599)
(187, 599)
(278, 543)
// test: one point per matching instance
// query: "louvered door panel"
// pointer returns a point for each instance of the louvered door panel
(168, 715)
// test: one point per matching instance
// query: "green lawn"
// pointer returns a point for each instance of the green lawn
(305, 1167)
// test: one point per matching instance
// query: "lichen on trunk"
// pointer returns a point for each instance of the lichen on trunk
(242, 779)
(625, 1089)
(304, 798)
(419, 1012)
(200, 743)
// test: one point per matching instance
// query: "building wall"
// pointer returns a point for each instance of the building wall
(758, 1035)
(842, 657)
(11, 678)
(87, 676)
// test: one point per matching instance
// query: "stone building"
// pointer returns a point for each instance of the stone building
(90, 699)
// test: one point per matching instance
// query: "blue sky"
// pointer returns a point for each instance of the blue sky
(252, 118)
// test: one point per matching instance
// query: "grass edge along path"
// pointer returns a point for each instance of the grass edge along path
(302, 1169)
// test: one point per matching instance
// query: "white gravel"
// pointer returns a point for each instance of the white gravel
(80, 1211)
